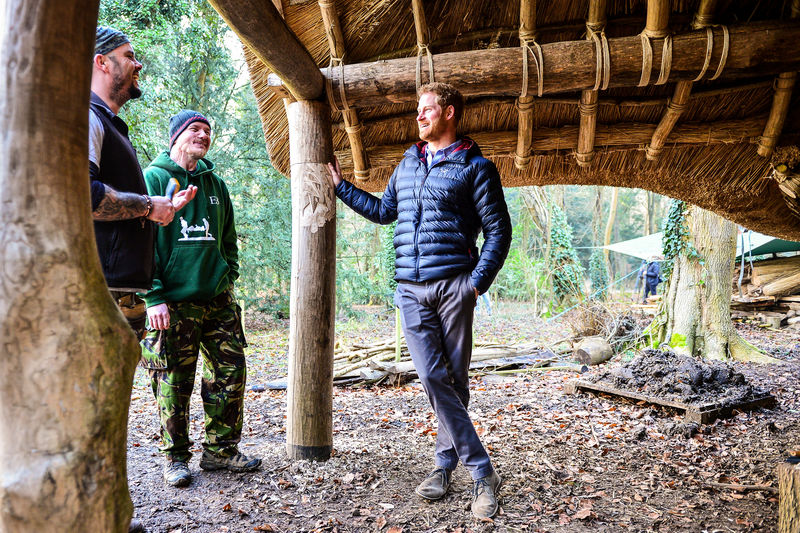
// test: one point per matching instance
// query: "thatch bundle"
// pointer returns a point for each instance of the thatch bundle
(709, 155)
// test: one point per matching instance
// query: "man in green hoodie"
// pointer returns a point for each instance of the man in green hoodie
(191, 309)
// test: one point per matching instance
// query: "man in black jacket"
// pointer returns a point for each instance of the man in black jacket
(443, 194)
(124, 215)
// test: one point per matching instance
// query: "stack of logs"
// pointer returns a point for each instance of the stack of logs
(772, 277)
(378, 363)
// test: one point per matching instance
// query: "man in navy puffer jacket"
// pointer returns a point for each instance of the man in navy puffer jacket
(443, 194)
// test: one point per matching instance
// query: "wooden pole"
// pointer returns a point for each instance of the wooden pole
(789, 498)
(657, 25)
(309, 432)
(420, 23)
(260, 26)
(760, 48)
(527, 31)
(68, 355)
(675, 108)
(595, 23)
(705, 14)
(780, 103)
(352, 123)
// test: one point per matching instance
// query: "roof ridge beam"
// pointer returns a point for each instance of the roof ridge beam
(260, 26)
(755, 49)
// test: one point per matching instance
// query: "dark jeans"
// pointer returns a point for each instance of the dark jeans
(650, 285)
(437, 322)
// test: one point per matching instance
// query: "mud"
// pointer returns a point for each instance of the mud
(680, 378)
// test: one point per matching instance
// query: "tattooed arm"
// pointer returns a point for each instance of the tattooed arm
(117, 205)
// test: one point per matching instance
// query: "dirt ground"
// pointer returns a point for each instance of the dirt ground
(570, 463)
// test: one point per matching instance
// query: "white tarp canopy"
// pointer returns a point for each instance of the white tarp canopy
(757, 243)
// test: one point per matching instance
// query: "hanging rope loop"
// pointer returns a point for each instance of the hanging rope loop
(338, 64)
(603, 56)
(532, 48)
(422, 49)
(647, 58)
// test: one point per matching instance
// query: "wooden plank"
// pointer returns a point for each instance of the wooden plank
(702, 414)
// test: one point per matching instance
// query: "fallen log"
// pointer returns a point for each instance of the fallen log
(593, 351)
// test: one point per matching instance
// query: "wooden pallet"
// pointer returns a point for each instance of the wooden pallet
(702, 414)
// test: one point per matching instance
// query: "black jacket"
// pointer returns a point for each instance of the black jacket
(440, 212)
(126, 247)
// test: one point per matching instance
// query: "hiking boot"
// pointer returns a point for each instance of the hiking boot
(237, 462)
(435, 486)
(484, 496)
(136, 526)
(176, 473)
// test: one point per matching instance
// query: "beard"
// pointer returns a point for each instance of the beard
(434, 131)
(123, 88)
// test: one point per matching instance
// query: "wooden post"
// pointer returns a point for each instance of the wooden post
(595, 22)
(352, 123)
(788, 498)
(309, 432)
(656, 26)
(68, 356)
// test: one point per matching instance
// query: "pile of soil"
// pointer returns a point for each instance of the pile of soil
(681, 378)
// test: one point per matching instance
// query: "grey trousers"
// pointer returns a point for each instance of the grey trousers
(437, 322)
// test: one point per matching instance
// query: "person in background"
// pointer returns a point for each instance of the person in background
(443, 194)
(191, 309)
(650, 274)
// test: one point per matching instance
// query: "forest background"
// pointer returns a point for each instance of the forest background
(192, 60)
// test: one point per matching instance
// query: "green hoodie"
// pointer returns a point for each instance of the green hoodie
(196, 253)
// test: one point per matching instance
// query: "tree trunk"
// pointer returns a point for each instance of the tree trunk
(789, 501)
(612, 214)
(597, 216)
(695, 315)
(68, 355)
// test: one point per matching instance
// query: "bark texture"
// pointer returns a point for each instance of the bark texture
(695, 313)
(68, 355)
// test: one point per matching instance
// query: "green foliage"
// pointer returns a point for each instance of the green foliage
(388, 258)
(677, 341)
(521, 278)
(192, 60)
(567, 272)
(676, 238)
(598, 273)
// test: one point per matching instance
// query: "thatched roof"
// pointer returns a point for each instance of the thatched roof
(710, 157)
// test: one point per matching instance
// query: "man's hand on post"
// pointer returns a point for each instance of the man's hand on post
(158, 316)
(336, 172)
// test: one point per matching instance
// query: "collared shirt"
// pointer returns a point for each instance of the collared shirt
(432, 158)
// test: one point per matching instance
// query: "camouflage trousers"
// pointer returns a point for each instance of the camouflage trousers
(213, 329)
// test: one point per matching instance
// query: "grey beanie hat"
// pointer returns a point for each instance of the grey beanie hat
(108, 39)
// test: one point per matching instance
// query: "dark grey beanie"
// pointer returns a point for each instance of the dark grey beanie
(108, 39)
(181, 121)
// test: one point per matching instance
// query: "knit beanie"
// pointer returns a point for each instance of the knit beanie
(108, 39)
(181, 121)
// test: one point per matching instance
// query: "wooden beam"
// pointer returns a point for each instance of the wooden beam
(595, 23)
(780, 103)
(527, 31)
(755, 49)
(309, 404)
(503, 143)
(338, 50)
(259, 25)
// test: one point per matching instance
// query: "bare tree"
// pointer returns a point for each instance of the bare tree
(68, 355)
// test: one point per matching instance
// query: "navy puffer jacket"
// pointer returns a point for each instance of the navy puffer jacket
(439, 214)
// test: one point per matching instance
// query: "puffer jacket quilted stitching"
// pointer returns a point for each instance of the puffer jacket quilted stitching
(439, 214)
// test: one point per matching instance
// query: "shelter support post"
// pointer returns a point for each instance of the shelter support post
(68, 356)
(527, 33)
(309, 424)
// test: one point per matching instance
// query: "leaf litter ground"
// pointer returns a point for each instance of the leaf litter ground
(570, 463)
